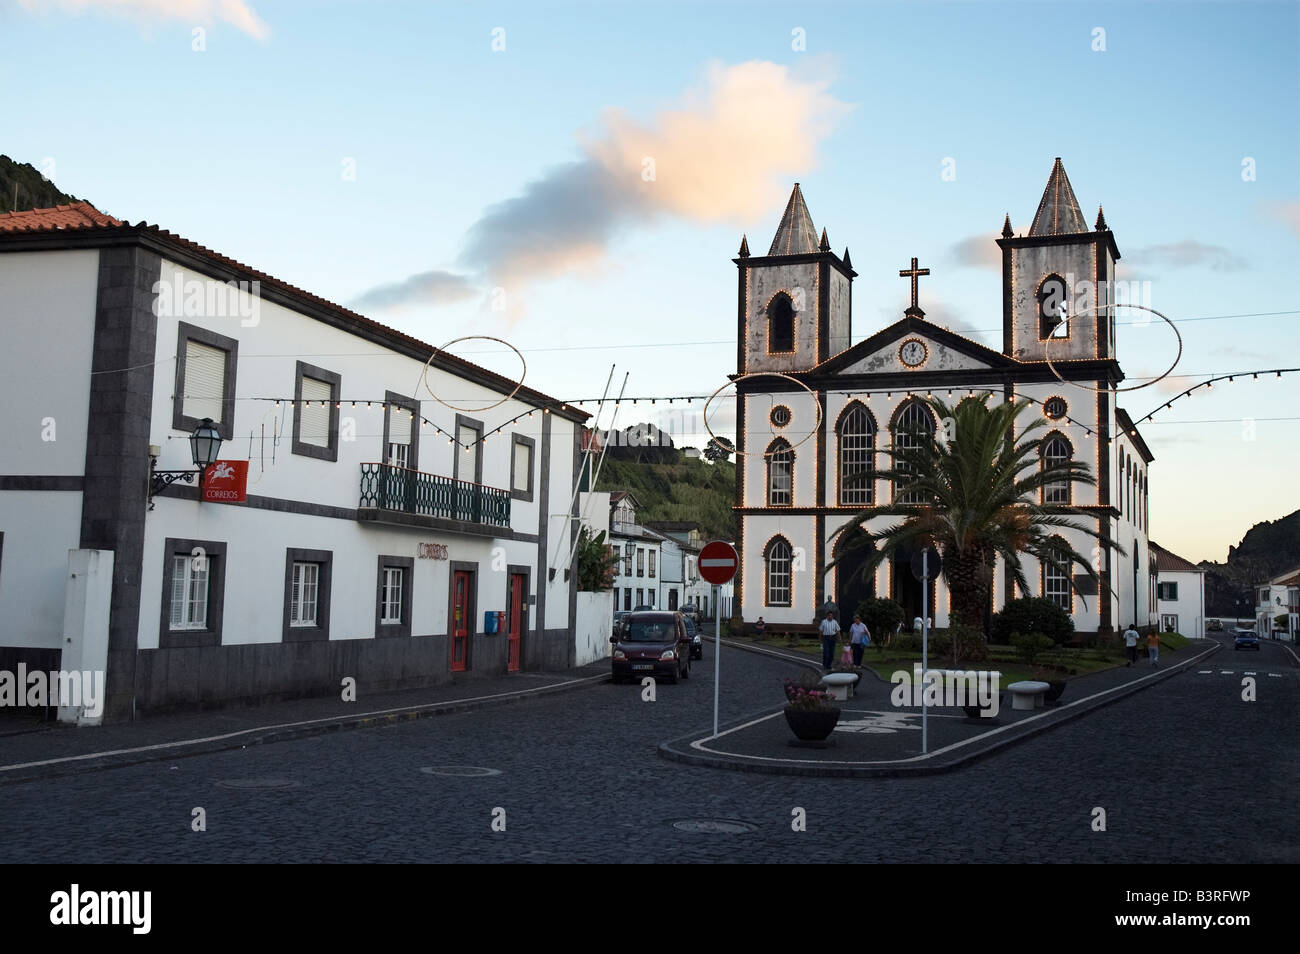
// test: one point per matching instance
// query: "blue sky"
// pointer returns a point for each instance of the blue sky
(470, 160)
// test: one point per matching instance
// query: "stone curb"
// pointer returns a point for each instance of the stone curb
(263, 735)
(678, 749)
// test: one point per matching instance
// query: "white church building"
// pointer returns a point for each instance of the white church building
(813, 409)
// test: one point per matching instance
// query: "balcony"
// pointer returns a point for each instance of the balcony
(396, 495)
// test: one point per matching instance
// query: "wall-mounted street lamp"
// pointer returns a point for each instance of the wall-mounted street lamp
(205, 447)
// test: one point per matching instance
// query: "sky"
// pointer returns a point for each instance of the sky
(574, 178)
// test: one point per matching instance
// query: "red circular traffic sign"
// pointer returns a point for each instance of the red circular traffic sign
(718, 562)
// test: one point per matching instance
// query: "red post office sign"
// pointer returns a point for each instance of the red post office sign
(226, 481)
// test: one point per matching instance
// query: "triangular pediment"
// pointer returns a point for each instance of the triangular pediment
(940, 350)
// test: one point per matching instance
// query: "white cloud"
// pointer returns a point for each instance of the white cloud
(237, 13)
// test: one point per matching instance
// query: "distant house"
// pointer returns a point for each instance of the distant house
(1278, 604)
(639, 578)
(1180, 593)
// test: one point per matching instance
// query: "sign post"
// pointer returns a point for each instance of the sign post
(926, 564)
(718, 562)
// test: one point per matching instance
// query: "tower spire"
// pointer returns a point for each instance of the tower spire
(796, 235)
(744, 246)
(1058, 211)
(1006, 227)
(1101, 225)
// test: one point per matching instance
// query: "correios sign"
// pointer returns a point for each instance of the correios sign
(226, 481)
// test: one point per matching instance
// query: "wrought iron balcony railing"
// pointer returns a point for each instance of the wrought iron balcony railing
(389, 487)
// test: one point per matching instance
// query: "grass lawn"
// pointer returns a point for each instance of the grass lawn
(1066, 663)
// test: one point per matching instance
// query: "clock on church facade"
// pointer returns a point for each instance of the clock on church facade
(809, 460)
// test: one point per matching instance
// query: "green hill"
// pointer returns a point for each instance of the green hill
(685, 489)
(22, 187)
(1267, 549)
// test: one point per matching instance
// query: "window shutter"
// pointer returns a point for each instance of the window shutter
(178, 591)
(205, 381)
(468, 438)
(314, 416)
(293, 597)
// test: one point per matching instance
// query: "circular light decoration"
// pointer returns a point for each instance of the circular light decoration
(780, 416)
(1137, 387)
(424, 375)
(1055, 407)
(764, 374)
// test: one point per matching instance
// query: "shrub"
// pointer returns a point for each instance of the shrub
(736, 625)
(907, 642)
(940, 644)
(1030, 646)
(1032, 614)
(882, 617)
(969, 643)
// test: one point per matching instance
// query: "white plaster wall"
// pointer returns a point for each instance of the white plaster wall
(840, 317)
(40, 527)
(759, 434)
(593, 627)
(801, 532)
(89, 593)
(257, 539)
(47, 311)
(1190, 605)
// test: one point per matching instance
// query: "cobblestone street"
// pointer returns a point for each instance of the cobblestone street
(1185, 771)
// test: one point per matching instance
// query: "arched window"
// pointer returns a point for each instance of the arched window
(1051, 297)
(776, 573)
(780, 473)
(1119, 484)
(1056, 579)
(913, 428)
(1128, 487)
(780, 323)
(857, 438)
(1056, 450)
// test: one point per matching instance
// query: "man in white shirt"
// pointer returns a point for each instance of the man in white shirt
(1131, 644)
(830, 635)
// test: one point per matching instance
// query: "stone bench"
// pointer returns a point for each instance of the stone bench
(840, 684)
(1027, 694)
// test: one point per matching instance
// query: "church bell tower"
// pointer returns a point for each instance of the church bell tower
(1058, 281)
(795, 301)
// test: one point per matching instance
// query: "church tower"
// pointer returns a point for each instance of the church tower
(1058, 280)
(794, 302)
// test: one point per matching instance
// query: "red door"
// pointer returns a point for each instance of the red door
(460, 621)
(518, 609)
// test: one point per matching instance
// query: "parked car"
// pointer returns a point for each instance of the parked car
(1214, 626)
(643, 608)
(696, 637)
(693, 611)
(1245, 639)
(651, 644)
(619, 616)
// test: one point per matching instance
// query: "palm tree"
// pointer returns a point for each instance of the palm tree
(976, 491)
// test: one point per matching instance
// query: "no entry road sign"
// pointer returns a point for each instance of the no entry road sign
(718, 562)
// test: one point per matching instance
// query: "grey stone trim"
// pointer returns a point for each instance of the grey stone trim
(515, 440)
(181, 421)
(536, 658)
(295, 634)
(116, 474)
(335, 382)
(477, 426)
(42, 482)
(215, 553)
(407, 565)
(471, 609)
(572, 653)
(393, 399)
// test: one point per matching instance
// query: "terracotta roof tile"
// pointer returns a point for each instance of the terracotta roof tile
(1167, 562)
(78, 215)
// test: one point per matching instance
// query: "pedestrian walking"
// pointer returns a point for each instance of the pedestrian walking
(859, 638)
(1131, 644)
(1153, 647)
(830, 630)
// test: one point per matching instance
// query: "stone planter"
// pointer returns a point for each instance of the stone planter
(812, 725)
